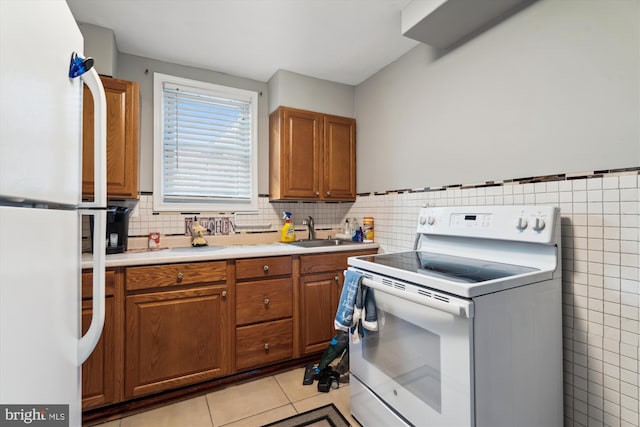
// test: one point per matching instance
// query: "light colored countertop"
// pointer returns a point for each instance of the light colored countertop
(212, 253)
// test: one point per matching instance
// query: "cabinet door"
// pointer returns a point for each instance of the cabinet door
(176, 338)
(99, 370)
(122, 139)
(102, 371)
(301, 161)
(319, 295)
(339, 178)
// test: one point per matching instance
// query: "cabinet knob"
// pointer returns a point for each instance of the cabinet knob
(337, 279)
(328, 193)
(224, 293)
(266, 301)
(317, 193)
(180, 276)
(266, 346)
(265, 268)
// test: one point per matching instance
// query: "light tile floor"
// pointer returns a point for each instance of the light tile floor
(245, 405)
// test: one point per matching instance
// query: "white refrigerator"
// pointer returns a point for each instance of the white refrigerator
(41, 348)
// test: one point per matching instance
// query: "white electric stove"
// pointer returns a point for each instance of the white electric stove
(470, 323)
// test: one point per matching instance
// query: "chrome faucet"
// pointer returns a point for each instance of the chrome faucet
(308, 221)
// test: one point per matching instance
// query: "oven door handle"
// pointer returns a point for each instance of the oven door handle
(460, 309)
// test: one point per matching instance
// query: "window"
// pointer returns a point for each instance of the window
(205, 146)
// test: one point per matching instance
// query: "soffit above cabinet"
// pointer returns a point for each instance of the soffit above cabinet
(446, 23)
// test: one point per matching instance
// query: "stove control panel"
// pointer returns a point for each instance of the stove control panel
(470, 220)
(522, 223)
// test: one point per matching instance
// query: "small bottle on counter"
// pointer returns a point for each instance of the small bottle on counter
(154, 240)
(287, 233)
(367, 228)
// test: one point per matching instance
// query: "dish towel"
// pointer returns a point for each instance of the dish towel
(346, 305)
(357, 305)
(365, 309)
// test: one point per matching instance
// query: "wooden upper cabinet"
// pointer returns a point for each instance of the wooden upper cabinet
(312, 156)
(339, 158)
(123, 99)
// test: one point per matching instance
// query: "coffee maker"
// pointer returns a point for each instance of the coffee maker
(117, 229)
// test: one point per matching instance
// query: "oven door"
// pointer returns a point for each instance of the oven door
(419, 362)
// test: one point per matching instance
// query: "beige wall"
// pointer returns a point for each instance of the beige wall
(308, 93)
(553, 89)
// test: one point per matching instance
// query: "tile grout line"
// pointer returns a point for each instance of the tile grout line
(213, 424)
(285, 393)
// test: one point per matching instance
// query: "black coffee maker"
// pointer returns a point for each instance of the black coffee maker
(117, 229)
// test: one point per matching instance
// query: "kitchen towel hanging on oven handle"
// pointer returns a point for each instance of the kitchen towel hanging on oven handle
(357, 305)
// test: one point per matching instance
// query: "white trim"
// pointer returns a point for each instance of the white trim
(158, 195)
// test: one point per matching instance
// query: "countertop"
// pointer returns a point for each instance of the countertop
(212, 253)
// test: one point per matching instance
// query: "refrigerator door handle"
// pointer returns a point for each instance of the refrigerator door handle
(92, 80)
(89, 341)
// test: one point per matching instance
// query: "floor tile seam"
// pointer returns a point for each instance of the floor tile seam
(291, 402)
(206, 399)
(258, 413)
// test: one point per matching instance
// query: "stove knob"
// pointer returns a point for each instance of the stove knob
(538, 224)
(431, 220)
(521, 223)
(422, 220)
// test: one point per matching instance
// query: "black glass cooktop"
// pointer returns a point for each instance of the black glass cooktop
(453, 268)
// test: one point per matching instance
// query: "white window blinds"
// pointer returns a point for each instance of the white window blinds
(206, 146)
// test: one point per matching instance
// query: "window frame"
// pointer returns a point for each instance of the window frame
(159, 203)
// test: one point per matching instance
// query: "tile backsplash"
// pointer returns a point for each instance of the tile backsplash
(268, 217)
(600, 253)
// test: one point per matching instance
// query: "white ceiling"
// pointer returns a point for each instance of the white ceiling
(344, 41)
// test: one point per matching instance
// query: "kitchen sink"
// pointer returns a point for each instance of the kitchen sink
(322, 243)
(196, 249)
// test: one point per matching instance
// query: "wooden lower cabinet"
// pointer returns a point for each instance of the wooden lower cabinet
(264, 310)
(175, 338)
(175, 325)
(263, 343)
(319, 294)
(321, 280)
(102, 372)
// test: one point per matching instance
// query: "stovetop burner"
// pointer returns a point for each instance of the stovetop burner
(453, 268)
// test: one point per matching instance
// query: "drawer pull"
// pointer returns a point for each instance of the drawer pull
(266, 301)
(224, 293)
(266, 346)
(265, 268)
(180, 276)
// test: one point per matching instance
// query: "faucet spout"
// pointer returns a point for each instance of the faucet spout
(308, 221)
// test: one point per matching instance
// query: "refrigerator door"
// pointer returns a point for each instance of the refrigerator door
(39, 308)
(40, 106)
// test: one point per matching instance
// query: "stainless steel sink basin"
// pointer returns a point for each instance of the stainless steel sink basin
(322, 243)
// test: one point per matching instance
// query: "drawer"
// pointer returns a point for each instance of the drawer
(158, 276)
(263, 343)
(258, 268)
(321, 263)
(110, 279)
(263, 300)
